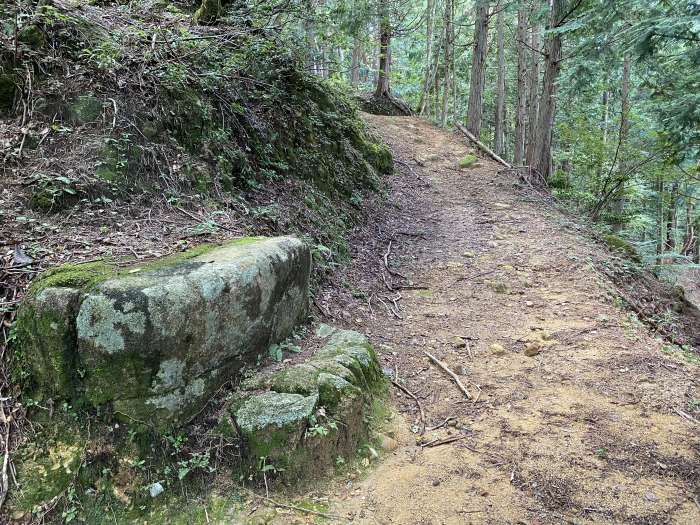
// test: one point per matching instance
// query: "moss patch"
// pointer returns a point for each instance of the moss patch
(467, 161)
(619, 244)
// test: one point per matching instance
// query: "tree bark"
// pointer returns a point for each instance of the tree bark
(520, 111)
(542, 159)
(383, 87)
(533, 102)
(619, 203)
(500, 116)
(427, 81)
(449, 37)
(355, 63)
(476, 79)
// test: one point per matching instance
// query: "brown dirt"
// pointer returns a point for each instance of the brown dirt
(601, 426)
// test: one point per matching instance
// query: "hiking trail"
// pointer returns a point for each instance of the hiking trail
(591, 429)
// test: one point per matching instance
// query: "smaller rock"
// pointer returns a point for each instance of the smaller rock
(529, 303)
(650, 496)
(458, 342)
(469, 254)
(436, 482)
(533, 348)
(497, 349)
(156, 489)
(387, 444)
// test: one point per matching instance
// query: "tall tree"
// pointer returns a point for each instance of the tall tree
(428, 72)
(449, 43)
(542, 159)
(522, 89)
(383, 88)
(533, 98)
(476, 79)
(500, 116)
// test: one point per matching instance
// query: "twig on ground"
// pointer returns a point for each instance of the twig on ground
(200, 220)
(323, 311)
(386, 263)
(447, 420)
(412, 396)
(686, 416)
(293, 507)
(443, 441)
(454, 377)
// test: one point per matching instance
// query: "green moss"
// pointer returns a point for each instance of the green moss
(84, 276)
(45, 470)
(84, 109)
(467, 161)
(208, 12)
(8, 89)
(619, 244)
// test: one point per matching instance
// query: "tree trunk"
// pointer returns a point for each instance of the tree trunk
(383, 88)
(449, 36)
(520, 111)
(533, 102)
(500, 116)
(619, 202)
(427, 81)
(542, 158)
(476, 80)
(355, 63)
(208, 12)
(660, 215)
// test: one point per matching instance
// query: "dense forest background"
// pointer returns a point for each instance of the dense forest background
(600, 98)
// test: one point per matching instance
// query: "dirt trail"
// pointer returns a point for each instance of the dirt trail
(588, 430)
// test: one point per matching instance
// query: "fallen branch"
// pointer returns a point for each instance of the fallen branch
(483, 147)
(445, 441)
(450, 373)
(293, 507)
(412, 396)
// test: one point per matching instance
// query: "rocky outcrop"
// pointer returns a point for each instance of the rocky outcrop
(301, 418)
(154, 342)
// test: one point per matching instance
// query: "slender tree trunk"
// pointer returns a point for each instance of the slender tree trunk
(533, 103)
(383, 88)
(619, 202)
(500, 116)
(476, 80)
(661, 216)
(449, 36)
(542, 159)
(520, 111)
(355, 63)
(310, 37)
(427, 81)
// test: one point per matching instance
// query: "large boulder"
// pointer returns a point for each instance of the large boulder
(155, 341)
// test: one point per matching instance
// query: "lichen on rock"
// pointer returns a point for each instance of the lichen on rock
(337, 384)
(127, 323)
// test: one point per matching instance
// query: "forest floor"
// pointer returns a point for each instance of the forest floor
(600, 426)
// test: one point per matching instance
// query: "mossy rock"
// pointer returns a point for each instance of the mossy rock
(619, 244)
(343, 379)
(273, 424)
(84, 110)
(208, 12)
(32, 36)
(84, 325)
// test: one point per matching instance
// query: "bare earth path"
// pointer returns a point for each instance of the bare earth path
(586, 431)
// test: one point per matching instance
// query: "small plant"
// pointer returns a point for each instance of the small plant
(602, 452)
(467, 161)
